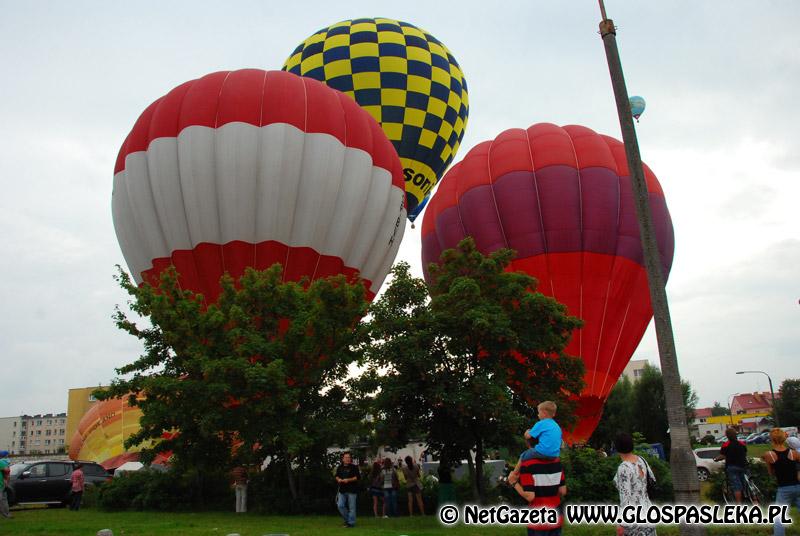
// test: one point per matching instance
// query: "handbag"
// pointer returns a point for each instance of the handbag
(651, 481)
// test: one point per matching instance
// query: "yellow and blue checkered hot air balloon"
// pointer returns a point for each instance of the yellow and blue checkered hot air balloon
(406, 79)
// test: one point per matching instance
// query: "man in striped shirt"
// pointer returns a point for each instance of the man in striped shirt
(541, 483)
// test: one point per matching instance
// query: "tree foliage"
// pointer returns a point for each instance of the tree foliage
(463, 364)
(617, 415)
(787, 406)
(718, 410)
(640, 407)
(257, 372)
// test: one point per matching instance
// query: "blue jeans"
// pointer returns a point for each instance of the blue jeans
(735, 477)
(533, 453)
(786, 495)
(346, 502)
(390, 500)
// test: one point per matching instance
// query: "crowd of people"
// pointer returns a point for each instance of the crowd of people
(384, 483)
(539, 477)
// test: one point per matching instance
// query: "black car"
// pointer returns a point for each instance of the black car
(49, 481)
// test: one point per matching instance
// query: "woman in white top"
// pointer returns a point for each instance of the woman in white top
(631, 481)
(390, 485)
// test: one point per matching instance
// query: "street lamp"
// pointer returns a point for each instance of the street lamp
(730, 411)
(771, 392)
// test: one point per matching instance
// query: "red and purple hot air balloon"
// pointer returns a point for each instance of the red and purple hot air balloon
(248, 168)
(561, 198)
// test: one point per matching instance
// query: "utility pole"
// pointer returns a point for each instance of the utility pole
(682, 461)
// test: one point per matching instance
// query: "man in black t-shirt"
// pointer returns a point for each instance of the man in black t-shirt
(347, 476)
(734, 452)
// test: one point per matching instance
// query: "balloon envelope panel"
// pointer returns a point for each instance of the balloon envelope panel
(102, 431)
(407, 80)
(248, 168)
(561, 197)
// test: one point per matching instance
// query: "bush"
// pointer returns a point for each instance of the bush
(759, 474)
(708, 439)
(169, 491)
(90, 494)
(590, 478)
(268, 491)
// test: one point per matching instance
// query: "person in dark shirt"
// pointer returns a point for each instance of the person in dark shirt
(734, 452)
(782, 464)
(447, 494)
(347, 476)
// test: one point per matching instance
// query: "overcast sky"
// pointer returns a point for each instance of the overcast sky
(720, 132)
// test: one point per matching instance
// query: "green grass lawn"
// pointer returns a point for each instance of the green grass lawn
(62, 522)
(756, 451)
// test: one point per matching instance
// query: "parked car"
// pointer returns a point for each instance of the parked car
(761, 438)
(49, 481)
(791, 431)
(706, 465)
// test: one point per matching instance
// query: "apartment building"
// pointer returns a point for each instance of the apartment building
(10, 437)
(34, 434)
(634, 369)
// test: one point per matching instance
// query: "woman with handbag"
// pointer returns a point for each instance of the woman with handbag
(631, 480)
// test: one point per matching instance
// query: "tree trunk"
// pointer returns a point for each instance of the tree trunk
(479, 471)
(471, 467)
(290, 476)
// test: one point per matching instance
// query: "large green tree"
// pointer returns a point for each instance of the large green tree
(259, 371)
(788, 404)
(640, 407)
(649, 406)
(463, 363)
(617, 415)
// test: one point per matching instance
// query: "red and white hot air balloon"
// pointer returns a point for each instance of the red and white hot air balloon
(248, 168)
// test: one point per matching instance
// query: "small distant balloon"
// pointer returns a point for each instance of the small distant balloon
(637, 107)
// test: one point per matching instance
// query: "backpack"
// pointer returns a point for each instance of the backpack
(651, 481)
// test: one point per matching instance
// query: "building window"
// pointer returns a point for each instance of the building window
(38, 432)
(62, 421)
(48, 432)
(61, 432)
(46, 441)
(60, 441)
(49, 422)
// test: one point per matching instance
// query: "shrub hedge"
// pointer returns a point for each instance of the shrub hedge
(589, 478)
